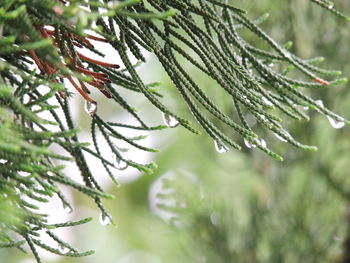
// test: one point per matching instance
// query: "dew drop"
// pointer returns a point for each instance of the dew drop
(170, 120)
(287, 134)
(286, 54)
(241, 41)
(319, 103)
(23, 173)
(220, 147)
(267, 102)
(25, 99)
(91, 107)
(271, 65)
(67, 208)
(306, 107)
(330, 6)
(246, 98)
(337, 124)
(249, 144)
(104, 219)
(35, 108)
(62, 249)
(120, 164)
(263, 117)
(280, 137)
(262, 142)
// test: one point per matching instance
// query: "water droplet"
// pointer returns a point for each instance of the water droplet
(306, 107)
(63, 249)
(271, 65)
(241, 41)
(120, 164)
(248, 144)
(67, 208)
(263, 117)
(35, 108)
(280, 137)
(220, 147)
(319, 103)
(286, 54)
(337, 124)
(246, 98)
(23, 173)
(105, 219)
(330, 6)
(170, 120)
(26, 98)
(91, 107)
(267, 102)
(262, 142)
(287, 134)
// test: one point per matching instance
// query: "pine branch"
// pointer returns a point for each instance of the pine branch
(40, 46)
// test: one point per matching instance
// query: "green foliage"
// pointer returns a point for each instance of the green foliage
(39, 55)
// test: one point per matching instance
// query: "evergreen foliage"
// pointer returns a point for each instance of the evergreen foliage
(40, 51)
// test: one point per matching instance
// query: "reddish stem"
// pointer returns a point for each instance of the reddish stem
(82, 39)
(94, 61)
(322, 81)
(98, 84)
(106, 93)
(82, 93)
(83, 86)
(36, 60)
(91, 73)
(96, 38)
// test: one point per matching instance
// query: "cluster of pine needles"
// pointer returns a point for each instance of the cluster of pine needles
(41, 45)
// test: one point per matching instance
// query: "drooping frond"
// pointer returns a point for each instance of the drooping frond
(42, 62)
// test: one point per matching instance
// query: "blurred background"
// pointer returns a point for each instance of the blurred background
(203, 206)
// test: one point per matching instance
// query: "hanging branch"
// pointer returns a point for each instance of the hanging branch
(42, 45)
